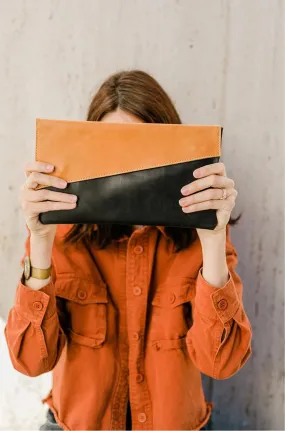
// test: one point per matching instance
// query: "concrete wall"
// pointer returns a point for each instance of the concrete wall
(222, 62)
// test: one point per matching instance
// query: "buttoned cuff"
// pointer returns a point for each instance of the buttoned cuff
(34, 305)
(216, 302)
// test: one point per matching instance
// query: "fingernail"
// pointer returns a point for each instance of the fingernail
(184, 190)
(63, 183)
(73, 198)
(49, 167)
(197, 173)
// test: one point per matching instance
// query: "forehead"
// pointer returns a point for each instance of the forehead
(120, 116)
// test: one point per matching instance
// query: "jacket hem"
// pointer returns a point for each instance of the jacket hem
(48, 401)
(210, 406)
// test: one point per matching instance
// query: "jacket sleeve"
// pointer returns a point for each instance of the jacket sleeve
(219, 341)
(33, 333)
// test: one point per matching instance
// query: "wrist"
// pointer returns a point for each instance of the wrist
(42, 239)
(215, 268)
(212, 237)
(42, 242)
(41, 251)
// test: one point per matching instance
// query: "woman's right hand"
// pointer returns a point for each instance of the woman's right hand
(35, 202)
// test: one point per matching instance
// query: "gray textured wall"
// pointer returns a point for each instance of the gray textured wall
(222, 62)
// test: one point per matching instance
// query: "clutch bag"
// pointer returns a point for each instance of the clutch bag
(127, 173)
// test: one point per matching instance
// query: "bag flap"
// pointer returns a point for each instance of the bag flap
(82, 150)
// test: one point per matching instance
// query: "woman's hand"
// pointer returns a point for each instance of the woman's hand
(35, 202)
(220, 196)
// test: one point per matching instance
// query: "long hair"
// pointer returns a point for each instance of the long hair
(139, 94)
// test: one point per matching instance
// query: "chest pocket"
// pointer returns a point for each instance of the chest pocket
(171, 313)
(83, 310)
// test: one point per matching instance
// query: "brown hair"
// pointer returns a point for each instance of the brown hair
(136, 93)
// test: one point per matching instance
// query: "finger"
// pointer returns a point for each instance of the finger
(36, 178)
(214, 168)
(215, 181)
(210, 194)
(41, 207)
(206, 195)
(232, 192)
(38, 167)
(48, 195)
(225, 205)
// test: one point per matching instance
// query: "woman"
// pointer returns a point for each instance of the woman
(130, 315)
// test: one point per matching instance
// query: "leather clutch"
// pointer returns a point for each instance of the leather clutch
(127, 173)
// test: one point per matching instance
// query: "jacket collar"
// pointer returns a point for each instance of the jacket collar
(162, 230)
(66, 227)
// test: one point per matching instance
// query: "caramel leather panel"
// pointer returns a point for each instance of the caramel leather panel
(82, 150)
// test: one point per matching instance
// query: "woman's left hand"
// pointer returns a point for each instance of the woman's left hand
(220, 196)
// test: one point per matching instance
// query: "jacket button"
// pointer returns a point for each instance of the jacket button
(157, 345)
(81, 294)
(136, 336)
(142, 417)
(139, 378)
(137, 290)
(222, 304)
(171, 298)
(138, 249)
(37, 305)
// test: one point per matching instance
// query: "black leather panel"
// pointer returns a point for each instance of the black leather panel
(147, 197)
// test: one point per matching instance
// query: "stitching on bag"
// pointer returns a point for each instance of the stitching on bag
(140, 168)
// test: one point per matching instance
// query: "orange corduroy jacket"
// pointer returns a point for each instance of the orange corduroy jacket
(133, 321)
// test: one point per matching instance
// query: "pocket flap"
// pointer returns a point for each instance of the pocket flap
(85, 341)
(170, 344)
(173, 293)
(80, 290)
